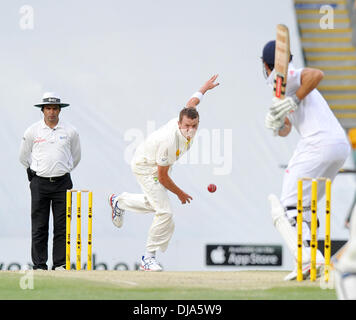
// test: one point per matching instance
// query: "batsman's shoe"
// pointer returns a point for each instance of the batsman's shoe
(293, 275)
(150, 264)
(319, 269)
(117, 214)
(320, 261)
(306, 268)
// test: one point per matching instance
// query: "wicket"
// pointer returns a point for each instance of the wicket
(78, 238)
(314, 219)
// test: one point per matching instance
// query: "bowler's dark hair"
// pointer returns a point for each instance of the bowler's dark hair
(191, 113)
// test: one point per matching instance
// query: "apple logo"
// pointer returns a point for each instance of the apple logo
(217, 255)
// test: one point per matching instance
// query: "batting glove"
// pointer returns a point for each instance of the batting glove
(281, 108)
(273, 123)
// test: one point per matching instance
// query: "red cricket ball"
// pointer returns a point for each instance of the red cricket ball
(211, 187)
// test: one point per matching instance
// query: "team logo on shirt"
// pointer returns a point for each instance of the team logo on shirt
(63, 137)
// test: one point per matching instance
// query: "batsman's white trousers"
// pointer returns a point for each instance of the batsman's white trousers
(154, 199)
(314, 162)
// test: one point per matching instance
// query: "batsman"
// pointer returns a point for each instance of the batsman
(321, 151)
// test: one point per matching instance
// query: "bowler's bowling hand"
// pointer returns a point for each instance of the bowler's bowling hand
(184, 197)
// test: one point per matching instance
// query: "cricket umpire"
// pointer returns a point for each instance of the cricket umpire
(50, 150)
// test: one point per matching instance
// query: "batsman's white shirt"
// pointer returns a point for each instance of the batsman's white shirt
(50, 152)
(163, 147)
(322, 149)
(313, 120)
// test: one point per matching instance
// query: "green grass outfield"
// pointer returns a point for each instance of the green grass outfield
(136, 285)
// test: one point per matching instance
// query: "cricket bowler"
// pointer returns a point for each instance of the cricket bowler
(151, 165)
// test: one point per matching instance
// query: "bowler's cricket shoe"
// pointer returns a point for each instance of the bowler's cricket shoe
(150, 264)
(117, 214)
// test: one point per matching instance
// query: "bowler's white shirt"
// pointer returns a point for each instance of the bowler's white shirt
(50, 152)
(163, 147)
(313, 119)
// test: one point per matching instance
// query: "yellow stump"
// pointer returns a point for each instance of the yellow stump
(327, 242)
(79, 242)
(79, 232)
(90, 229)
(313, 241)
(300, 231)
(68, 223)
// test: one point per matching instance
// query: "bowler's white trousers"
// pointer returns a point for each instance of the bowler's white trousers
(154, 199)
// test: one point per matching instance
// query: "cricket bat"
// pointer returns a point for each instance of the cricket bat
(281, 61)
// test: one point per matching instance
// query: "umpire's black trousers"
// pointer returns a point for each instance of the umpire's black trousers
(47, 192)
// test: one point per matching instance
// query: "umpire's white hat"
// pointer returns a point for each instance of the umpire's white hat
(51, 98)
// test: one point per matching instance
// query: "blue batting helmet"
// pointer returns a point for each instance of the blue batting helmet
(269, 52)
